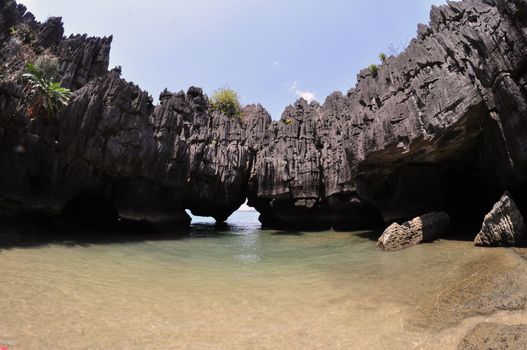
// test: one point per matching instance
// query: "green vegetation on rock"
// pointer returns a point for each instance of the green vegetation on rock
(287, 121)
(226, 101)
(42, 92)
(48, 66)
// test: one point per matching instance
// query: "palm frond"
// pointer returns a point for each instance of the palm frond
(44, 93)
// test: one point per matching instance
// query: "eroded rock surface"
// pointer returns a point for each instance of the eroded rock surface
(496, 337)
(428, 131)
(423, 228)
(503, 226)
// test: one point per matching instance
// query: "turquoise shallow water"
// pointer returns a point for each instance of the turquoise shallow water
(237, 288)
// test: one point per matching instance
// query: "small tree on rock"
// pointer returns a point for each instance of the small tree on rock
(226, 101)
(42, 92)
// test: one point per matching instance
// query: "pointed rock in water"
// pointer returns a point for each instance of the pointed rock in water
(423, 228)
(503, 226)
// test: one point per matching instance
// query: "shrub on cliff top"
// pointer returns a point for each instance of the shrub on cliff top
(226, 101)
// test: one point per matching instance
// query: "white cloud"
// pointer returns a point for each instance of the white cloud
(294, 86)
(306, 95)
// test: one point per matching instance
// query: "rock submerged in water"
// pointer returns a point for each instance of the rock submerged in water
(423, 228)
(503, 225)
(495, 336)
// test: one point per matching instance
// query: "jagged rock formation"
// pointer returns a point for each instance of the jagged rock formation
(439, 127)
(112, 145)
(301, 176)
(421, 229)
(503, 226)
(428, 131)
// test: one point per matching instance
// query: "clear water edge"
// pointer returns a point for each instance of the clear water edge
(244, 288)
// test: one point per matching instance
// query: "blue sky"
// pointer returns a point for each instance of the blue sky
(269, 51)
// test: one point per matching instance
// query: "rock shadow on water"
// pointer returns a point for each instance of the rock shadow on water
(33, 230)
(468, 234)
(42, 231)
(372, 235)
(214, 230)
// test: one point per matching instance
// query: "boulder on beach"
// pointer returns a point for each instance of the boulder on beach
(503, 225)
(423, 228)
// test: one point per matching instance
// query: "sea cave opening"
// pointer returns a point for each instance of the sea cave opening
(91, 209)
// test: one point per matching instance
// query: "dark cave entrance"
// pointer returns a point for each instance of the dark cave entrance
(471, 192)
(340, 212)
(345, 212)
(91, 209)
(464, 185)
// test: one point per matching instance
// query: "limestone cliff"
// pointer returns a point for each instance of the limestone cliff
(439, 127)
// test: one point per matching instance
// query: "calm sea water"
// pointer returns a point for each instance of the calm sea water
(240, 288)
